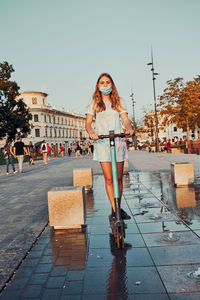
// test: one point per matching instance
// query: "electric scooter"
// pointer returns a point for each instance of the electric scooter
(117, 225)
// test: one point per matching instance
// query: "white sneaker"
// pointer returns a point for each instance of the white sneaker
(7, 173)
(14, 172)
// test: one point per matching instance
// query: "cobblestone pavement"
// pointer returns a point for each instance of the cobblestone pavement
(163, 238)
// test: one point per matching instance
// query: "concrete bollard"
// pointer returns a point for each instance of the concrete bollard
(126, 167)
(66, 207)
(182, 174)
(83, 177)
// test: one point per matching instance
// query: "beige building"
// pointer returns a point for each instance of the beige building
(53, 125)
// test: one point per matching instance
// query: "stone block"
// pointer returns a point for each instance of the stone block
(126, 167)
(185, 197)
(66, 207)
(182, 173)
(83, 177)
(176, 151)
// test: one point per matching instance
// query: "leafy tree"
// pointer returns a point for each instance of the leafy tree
(180, 104)
(149, 123)
(13, 112)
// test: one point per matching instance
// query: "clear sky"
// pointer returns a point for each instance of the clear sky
(61, 47)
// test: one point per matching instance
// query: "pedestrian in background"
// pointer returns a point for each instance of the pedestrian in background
(78, 151)
(49, 149)
(89, 152)
(62, 149)
(44, 150)
(32, 152)
(9, 157)
(69, 150)
(168, 145)
(19, 150)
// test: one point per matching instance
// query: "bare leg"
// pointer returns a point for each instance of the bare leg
(107, 171)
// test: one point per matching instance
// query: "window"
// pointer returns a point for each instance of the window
(50, 132)
(46, 132)
(55, 133)
(45, 118)
(36, 119)
(62, 120)
(58, 120)
(37, 132)
(54, 120)
(49, 119)
(175, 128)
(34, 100)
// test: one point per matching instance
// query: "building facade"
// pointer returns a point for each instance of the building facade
(166, 132)
(55, 126)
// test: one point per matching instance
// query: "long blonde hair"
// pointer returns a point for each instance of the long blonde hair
(99, 104)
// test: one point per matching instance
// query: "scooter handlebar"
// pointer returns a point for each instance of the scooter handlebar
(122, 135)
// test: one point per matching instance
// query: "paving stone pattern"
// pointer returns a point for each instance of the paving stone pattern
(87, 265)
(23, 206)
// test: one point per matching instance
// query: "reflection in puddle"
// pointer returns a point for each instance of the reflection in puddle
(89, 203)
(69, 249)
(126, 181)
(118, 274)
(183, 201)
(185, 197)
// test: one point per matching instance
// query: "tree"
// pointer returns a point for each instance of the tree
(149, 124)
(180, 104)
(13, 111)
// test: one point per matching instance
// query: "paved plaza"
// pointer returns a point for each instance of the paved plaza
(163, 236)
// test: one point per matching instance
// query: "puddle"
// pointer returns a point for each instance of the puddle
(184, 202)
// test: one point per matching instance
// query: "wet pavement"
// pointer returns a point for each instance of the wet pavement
(162, 248)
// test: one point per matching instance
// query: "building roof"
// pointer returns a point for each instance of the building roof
(35, 93)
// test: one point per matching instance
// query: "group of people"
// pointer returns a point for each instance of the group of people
(19, 150)
(83, 149)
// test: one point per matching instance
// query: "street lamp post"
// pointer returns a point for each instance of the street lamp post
(155, 105)
(134, 123)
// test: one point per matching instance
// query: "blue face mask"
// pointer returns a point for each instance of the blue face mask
(106, 90)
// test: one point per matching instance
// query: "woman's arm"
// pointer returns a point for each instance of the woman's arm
(88, 127)
(11, 151)
(127, 123)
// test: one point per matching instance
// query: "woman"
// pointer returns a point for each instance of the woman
(62, 149)
(44, 149)
(9, 157)
(108, 108)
